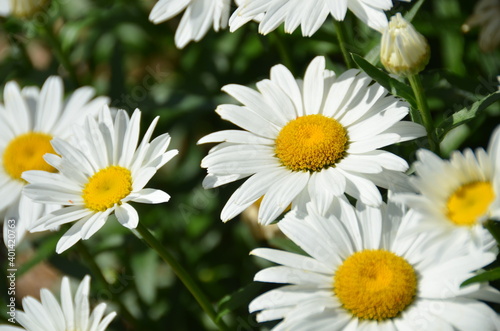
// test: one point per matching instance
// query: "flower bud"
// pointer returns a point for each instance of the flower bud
(403, 50)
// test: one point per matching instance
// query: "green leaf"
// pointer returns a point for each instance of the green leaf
(238, 299)
(486, 276)
(413, 11)
(464, 115)
(393, 85)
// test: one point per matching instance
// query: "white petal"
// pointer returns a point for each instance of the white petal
(127, 216)
(148, 195)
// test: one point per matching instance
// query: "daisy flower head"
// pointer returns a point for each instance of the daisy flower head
(310, 15)
(366, 269)
(198, 16)
(69, 314)
(101, 175)
(29, 119)
(455, 197)
(21, 8)
(314, 139)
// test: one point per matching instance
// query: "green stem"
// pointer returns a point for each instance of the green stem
(48, 32)
(183, 275)
(425, 114)
(341, 36)
(97, 272)
(494, 229)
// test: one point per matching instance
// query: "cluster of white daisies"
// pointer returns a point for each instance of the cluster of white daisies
(392, 262)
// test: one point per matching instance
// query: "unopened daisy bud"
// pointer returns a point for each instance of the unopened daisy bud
(21, 8)
(403, 50)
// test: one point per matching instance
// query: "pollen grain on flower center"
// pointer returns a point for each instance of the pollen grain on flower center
(311, 143)
(25, 152)
(469, 202)
(107, 188)
(375, 284)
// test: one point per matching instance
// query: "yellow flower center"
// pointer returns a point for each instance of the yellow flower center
(107, 187)
(375, 284)
(311, 143)
(25, 152)
(469, 202)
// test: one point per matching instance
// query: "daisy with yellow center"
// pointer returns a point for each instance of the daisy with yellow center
(99, 175)
(29, 120)
(317, 139)
(71, 313)
(368, 269)
(455, 197)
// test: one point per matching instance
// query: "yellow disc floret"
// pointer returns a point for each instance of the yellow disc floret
(375, 284)
(25, 152)
(311, 143)
(469, 202)
(107, 188)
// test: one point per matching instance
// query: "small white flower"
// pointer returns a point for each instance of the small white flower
(456, 197)
(21, 8)
(199, 15)
(403, 50)
(310, 15)
(367, 269)
(67, 315)
(100, 175)
(29, 119)
(318, 139)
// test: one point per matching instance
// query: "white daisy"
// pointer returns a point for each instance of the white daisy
(368, 270)
(456, 197)
(101, 175)
(67, 315)
(310, 15)
(199, 15)
(319, 138)
(29, 119)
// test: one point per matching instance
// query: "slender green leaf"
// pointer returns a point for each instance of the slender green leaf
(486, 276)
(238, 299)
(393, 85)
(414, 10)
(464, 115)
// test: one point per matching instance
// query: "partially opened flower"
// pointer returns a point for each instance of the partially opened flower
(310, 15)
(403, 50)
(21, 8)
(68, 314)
(368, 270)
(29, 119)
(199, 15)
(100, 175)
(314, 139)
(456, 197)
